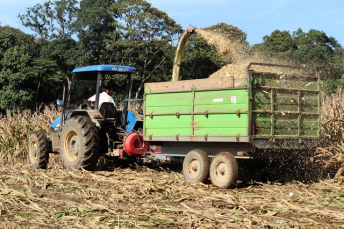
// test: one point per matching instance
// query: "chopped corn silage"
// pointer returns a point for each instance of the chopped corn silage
(239, 55)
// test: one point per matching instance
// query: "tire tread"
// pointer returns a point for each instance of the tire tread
(205, 170)
(235, 168)
(89, 144)
(43, 150)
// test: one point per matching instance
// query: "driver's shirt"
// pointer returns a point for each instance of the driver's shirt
(103, 98)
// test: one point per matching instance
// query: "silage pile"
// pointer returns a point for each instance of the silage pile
(239, 55)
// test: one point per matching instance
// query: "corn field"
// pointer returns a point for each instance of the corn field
(16, 128)
(331, 146)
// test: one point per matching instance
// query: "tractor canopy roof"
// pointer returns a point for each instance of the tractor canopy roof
(91, 72)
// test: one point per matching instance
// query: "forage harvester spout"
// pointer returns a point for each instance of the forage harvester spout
(179, 53)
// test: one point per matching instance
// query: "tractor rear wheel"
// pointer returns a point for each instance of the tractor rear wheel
(38, 154)
(79, 144)
(196, 166)
(223, 170)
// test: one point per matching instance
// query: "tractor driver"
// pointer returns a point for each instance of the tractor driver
(104, 97)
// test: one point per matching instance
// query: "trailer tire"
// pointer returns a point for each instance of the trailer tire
(196, 166)
(223, 170)
(38, 153)
(79, 144)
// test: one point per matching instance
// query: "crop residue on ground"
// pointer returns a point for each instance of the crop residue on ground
(141, 197)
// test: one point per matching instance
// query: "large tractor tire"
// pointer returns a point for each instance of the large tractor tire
(223, 170)
(38, 153)
(196, 166)
(79, 144)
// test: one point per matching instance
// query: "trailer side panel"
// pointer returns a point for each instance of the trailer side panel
(206, 114)
(285, 107)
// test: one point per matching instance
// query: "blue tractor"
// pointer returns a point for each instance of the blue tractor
(85, 131)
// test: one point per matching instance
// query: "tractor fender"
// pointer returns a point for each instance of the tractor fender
(94, 115)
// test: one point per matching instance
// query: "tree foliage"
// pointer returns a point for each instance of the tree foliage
(65, 52)
(313, 49)
(46, 78)
(143, 39)
(15, 61)
(21, 72)
(96, 25)
(229, 31)
(279, 43)
(52, 19)
(127, 33)
(54, 23)
(72, 33)
(200, 59)
(317, 50)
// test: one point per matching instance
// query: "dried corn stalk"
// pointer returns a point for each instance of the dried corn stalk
(331, 149)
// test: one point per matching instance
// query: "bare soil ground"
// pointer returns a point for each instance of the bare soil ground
(143, 197)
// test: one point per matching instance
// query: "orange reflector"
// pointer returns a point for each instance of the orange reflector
(241, 153)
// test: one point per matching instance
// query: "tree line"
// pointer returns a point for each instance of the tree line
(71, 33)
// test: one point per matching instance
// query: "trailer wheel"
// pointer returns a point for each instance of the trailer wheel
(38, 153)
(79, 144)
(223, 170)
(196, 166)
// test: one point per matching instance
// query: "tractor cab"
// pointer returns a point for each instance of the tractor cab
(90, 82)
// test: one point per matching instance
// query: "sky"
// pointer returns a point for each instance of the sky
(257, 18)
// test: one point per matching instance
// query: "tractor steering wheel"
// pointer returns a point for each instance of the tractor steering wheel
(86, 106)
(90, 105)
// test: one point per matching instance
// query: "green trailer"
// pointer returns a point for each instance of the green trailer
(209, 123)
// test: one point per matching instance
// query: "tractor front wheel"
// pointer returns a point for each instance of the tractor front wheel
(79, 144)
(38, 153)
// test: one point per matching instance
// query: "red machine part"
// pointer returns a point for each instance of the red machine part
(134, 145)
